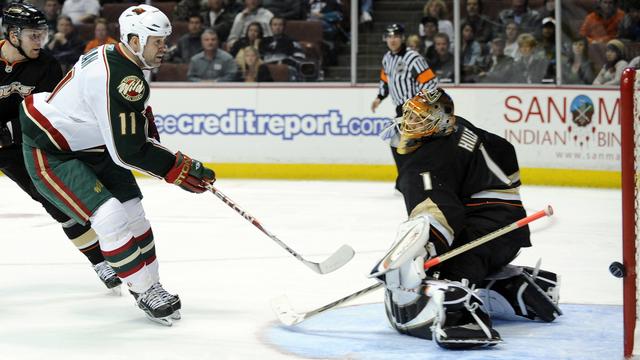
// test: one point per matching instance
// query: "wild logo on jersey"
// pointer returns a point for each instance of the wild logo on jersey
(15, 88)
(131, 88)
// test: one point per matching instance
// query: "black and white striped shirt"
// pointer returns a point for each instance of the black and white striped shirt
(404, 74)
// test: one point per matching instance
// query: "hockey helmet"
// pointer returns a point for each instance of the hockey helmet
(143, 21)
(393, 29)
(427, 114)
(22, 16)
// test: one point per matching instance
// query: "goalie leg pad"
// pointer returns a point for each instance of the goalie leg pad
(530, 293)
(462, 322)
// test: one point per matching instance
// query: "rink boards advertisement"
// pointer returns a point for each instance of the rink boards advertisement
(556, 129)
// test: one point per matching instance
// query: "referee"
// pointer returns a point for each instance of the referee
(404, 73)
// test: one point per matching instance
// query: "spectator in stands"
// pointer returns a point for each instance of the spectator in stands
(442, 61)
(428, 30)
(528, 20)
(279, 46)
(366, 11)
(251, 13)
(548, 46)
(548, 38)
(548, 9)
(252, 37)
(470, 53)
(51, 11)
(186, 8)
(601, 25)
(438, 10)
(81, 11)
(101, 35)
(190, 43)
(531, 68)
(635, 63)
(219, 17)
(212, 64)
(287, 9)
(65, 45)
(630, 25)
(482, 24)
(578, 69)
(470, 49)
(511, 32)
(251, 68)
(414, 43)
(330, 13)
(499, 67)
(611, 71)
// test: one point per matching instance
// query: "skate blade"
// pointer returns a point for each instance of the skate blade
(166, 321)
(176, 315)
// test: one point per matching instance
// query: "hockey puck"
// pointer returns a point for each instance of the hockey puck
(617, 269)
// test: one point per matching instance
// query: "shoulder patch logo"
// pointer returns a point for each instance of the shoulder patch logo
(131, 88)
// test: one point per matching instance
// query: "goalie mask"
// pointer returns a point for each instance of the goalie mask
(143, 21)
(427, 114)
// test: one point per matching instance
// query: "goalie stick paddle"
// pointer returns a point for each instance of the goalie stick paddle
(288, 316)
(332, 263)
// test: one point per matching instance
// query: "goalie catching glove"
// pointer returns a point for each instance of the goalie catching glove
(190, 174)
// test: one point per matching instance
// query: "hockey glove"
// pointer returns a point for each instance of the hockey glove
(190, 174)
(152, 130)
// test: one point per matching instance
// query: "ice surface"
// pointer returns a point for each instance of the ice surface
(52, 305)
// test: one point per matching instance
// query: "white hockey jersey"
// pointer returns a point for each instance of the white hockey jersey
(100, 102)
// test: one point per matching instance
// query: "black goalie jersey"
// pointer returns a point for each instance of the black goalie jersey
(467, 183)
(22, 78)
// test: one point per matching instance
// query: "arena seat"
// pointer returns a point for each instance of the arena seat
(279, 72)
(112, 11)
(168, 7)
(172, 72)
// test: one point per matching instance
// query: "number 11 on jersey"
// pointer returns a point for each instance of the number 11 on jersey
(123, 123)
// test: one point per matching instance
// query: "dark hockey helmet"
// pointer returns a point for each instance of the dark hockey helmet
(22, 16)
(428, 114)
(393, 29)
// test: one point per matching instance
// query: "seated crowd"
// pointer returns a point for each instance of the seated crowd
(219, 40)
(247, 40)
(518, 44)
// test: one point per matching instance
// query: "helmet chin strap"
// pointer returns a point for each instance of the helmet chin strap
(138, 54)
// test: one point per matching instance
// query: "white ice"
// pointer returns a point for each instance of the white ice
(52, 305)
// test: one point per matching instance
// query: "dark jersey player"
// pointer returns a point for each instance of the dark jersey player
(459, 183)
(26, 70)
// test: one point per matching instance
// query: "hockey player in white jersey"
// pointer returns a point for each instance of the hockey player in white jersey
(82, 140)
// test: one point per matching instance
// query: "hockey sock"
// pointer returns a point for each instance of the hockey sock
(85, 239)
(120, 247)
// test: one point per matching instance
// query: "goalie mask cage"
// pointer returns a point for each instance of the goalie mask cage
(630, 138)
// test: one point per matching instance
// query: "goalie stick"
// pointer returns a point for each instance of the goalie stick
(332, 263)
(288, 316)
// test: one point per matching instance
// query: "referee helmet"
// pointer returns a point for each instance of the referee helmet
(394, 29)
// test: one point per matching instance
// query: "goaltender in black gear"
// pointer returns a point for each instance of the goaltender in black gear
(459, 183)
(26, 70)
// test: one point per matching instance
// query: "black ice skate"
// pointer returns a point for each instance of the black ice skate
(174, 300)
(155, 306)
(108, 277)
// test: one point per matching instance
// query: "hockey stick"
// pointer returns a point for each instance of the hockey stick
(288, 316)
(334, 262)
